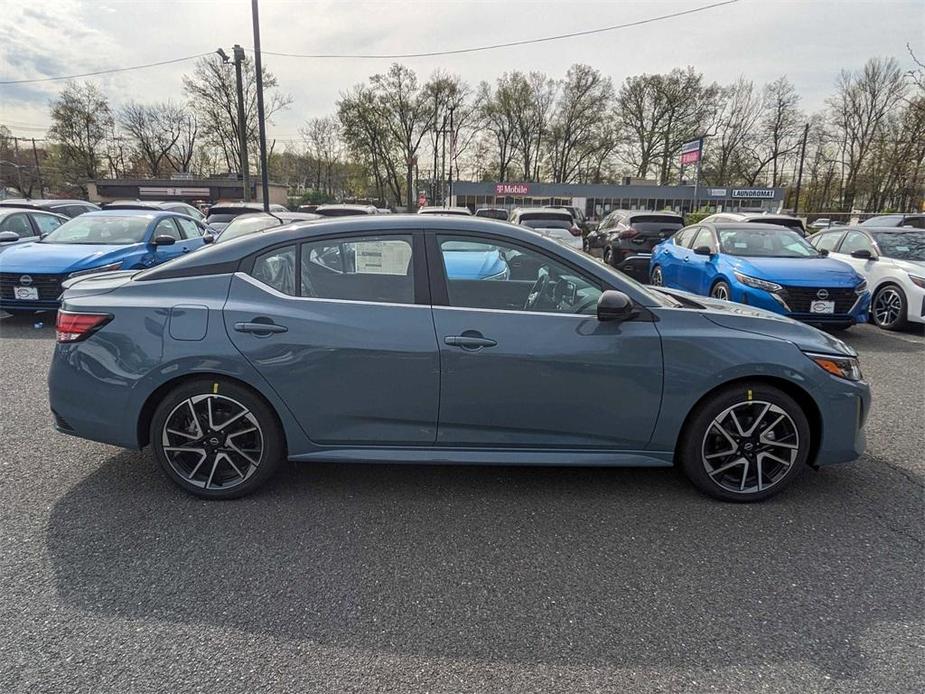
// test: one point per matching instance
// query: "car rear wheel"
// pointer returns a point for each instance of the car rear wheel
(608, 255)
(745, 443)
(889, 308)
(216, 439)
(722, 291)
(655, 278)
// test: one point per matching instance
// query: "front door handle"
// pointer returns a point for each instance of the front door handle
(469, 341)
(686, 259)
(260, 329)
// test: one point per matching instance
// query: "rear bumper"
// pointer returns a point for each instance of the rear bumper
(636, 266)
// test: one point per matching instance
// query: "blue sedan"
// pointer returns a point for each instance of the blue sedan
(765, 266)
(31, 274)
(368, 339)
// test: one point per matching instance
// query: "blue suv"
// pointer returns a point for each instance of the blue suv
(31, 274)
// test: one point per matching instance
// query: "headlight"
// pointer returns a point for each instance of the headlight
(861, 288)
(917, 281)
(843, 367)
(757, 283)
(94, 270)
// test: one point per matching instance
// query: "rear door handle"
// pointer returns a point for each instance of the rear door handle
(260, 329)
(469, 342)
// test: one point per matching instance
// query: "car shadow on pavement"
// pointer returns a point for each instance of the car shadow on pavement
(616, 567)
(38, 326)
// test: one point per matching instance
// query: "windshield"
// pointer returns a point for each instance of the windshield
(889, 220)
(765, 243)
(902, 245)
(85, 229)
(339, 212)
(247, 224)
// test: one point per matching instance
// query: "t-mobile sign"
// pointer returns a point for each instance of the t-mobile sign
(511, 189)
(690, 152)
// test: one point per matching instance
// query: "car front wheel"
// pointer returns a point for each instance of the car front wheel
(721, 291)
(889, 308)
(655, 278)
(216, 439)
(745, 443)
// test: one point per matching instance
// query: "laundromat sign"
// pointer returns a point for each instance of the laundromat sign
(762, 193)
(512, 189)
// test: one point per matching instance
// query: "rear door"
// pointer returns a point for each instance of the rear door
(341, 328)
(526, 363)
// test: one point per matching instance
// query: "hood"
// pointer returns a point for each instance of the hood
(915, 267)
(806, 272)
(735, 316)
(473, 265)
(60, 258)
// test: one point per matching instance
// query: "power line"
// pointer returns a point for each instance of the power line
(107, 71)
(524, 42)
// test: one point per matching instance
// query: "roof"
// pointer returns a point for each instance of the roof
(151, 214)
(38, 202)
(541, 210)
(744, 227)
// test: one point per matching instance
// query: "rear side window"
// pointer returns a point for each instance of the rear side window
(371, 268)
(683, 238)
(276, 269)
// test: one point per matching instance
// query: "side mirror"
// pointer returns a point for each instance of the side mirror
(823, 251)
(863, 254)
(8, 236)
(164, 240)
(703, 250)
(614, 305)
(208, 238)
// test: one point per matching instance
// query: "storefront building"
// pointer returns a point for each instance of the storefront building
(195, 191)
(599, 199)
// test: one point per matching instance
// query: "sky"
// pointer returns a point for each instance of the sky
(810, 41)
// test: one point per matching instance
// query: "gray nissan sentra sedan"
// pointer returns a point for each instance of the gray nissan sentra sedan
(433, 339)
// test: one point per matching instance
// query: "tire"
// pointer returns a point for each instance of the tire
(240, 451)
(721, 290)
(655, 277)
(608, 256)
(889, 308)
(773, 423)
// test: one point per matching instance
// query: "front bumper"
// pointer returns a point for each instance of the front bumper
(844, 406)
(759, 298)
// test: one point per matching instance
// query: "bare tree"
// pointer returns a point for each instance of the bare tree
(152, 131)
(81, 121)
(497, 112)
(322, 138)
(585, 95)
(738, 115)
(860, 105)
(213, 98)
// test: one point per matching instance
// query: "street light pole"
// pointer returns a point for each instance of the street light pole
(264, 174)
(242, 123)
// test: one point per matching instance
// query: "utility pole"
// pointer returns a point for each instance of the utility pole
(452, 155)
(242, 123)
(433, 191)
(264, 174)
(38, 171)
(18, 167)
(796, 198)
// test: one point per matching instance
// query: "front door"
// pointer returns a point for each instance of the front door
(526, 363)
(340, 331)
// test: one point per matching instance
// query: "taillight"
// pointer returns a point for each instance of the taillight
(575, 230)
(629, 233)
(74, 327)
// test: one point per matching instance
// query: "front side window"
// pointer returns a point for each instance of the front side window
(704, 238)
(166, 227)
(190, 229)
(46, 222)
(17, 223)
(489, 274)
(856, 241)
(826, 242)
(276, 269)
(370, 268)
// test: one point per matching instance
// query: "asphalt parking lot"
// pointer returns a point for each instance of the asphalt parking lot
(458, 579)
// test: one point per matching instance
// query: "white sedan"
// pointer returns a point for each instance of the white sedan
(892, 260)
